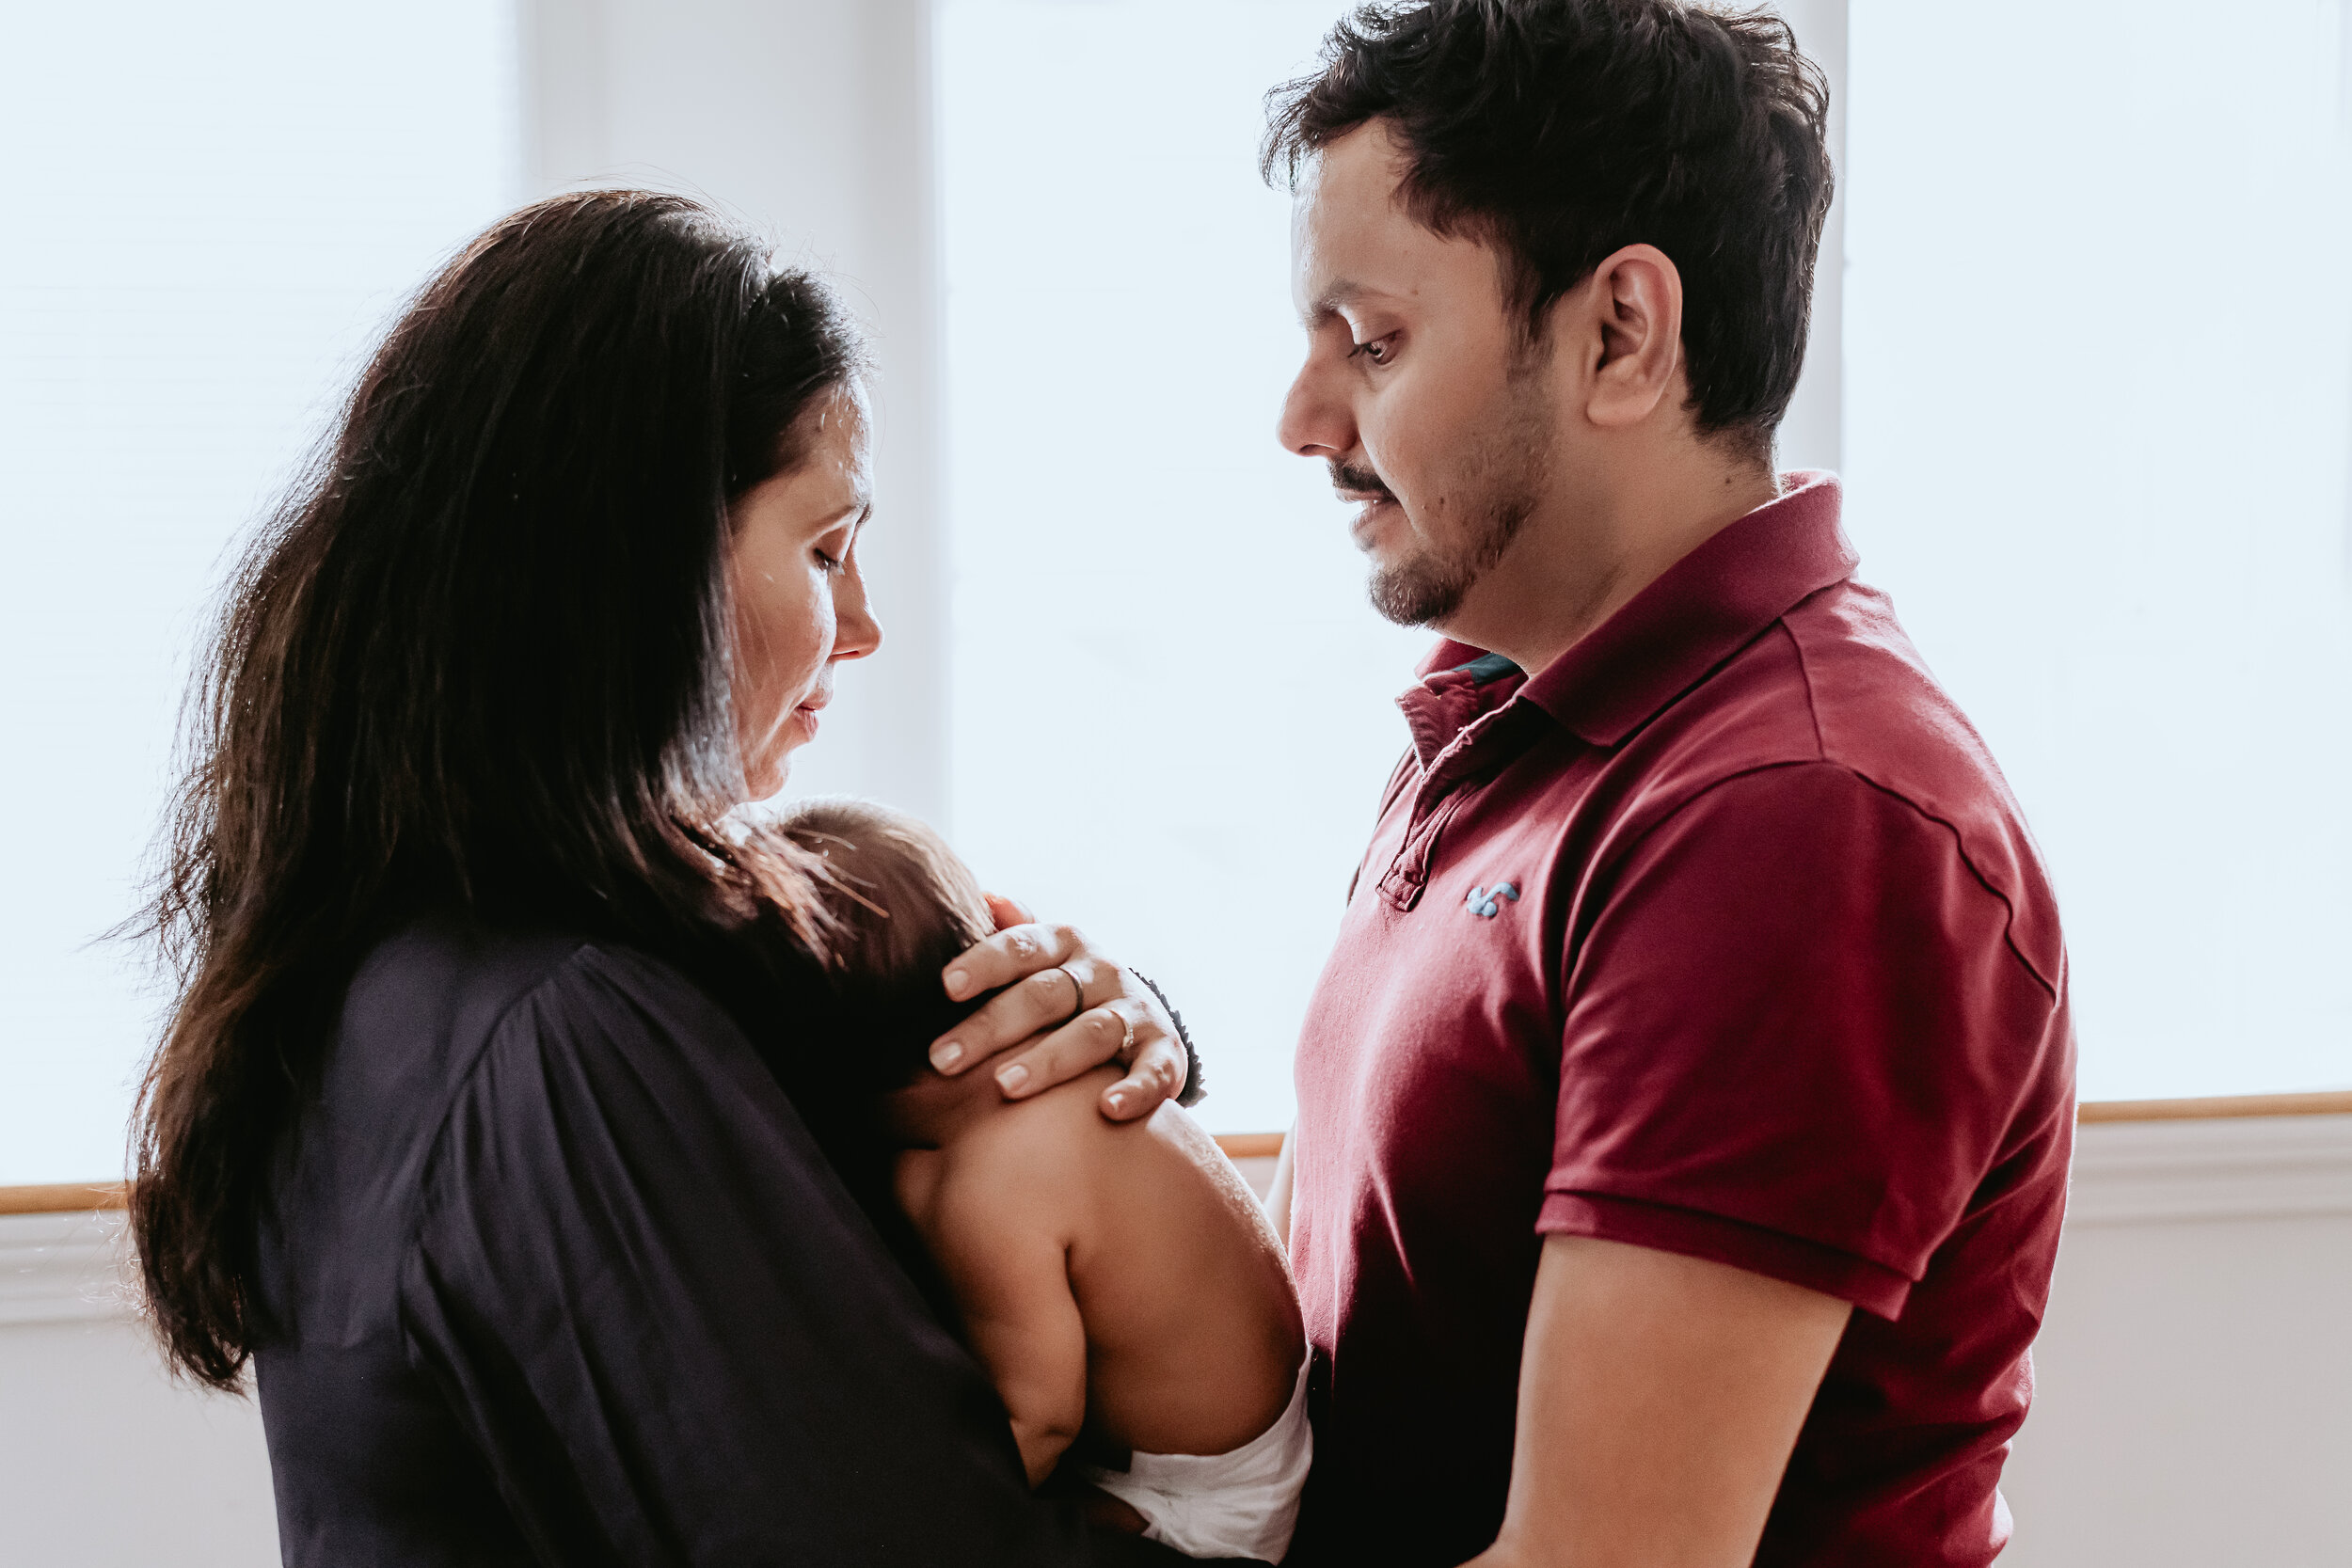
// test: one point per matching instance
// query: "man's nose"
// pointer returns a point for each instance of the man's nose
(1315, 422)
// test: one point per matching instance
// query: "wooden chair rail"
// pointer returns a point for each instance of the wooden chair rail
(70, 1197)
(2331, 1102)
(61, 1197)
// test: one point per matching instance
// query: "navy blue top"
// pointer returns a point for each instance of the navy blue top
(563, 1278)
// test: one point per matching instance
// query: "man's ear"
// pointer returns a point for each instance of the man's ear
(1634, 311)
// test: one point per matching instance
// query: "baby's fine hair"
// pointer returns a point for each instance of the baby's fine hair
(900, 905)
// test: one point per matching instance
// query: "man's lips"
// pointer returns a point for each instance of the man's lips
(1370, 512)
(1355, 484)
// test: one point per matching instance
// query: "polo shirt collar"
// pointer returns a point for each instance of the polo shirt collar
(1700, 611)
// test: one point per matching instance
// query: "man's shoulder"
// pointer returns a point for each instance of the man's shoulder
(1883, 714)
(1877, 709)
(1836, 680)
(1833, 689)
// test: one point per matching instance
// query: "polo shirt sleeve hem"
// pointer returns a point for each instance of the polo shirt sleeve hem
(1873, 1287)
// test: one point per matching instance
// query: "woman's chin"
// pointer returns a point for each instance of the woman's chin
(765, 781)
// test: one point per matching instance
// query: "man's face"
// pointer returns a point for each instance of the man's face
(1418, 390)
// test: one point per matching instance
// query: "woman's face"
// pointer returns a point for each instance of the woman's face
(799, 604)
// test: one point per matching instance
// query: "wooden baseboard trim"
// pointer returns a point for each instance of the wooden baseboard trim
(1249, 1146)
(2331, 1102)
(2324, 1103)
(61, 1198)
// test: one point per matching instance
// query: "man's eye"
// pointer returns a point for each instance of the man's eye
(828, 564)
(1376, 350)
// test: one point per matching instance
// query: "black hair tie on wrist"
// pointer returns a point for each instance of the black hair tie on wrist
(1191, 1096)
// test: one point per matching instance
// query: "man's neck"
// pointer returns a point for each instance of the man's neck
(1564, 577)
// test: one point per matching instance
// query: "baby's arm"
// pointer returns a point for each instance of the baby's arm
(1008, 1263)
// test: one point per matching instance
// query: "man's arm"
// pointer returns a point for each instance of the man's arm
(1660, 1397)
(1278, 1192)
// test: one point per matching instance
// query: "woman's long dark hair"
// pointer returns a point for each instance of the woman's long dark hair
(478, 660)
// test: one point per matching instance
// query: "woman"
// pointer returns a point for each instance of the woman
(493, 1123)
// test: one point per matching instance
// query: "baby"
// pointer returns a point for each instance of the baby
(1117, 1280)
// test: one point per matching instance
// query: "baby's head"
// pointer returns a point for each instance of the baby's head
(902, 907)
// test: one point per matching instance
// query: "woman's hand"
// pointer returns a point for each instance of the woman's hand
(1065, 1010)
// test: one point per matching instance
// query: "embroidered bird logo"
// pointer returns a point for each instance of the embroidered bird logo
(1481, 899)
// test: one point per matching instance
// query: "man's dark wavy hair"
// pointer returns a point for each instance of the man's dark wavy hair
(1559, 131)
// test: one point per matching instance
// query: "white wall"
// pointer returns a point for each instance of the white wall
(2119, 540)
(2194, 1377)
(1812, 433)
(104, 1462)
(213, 213)
(812, 121)
(2194, 1404)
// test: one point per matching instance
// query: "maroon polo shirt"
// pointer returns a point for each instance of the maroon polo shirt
(1721, 935)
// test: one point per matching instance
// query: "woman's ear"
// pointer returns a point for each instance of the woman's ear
(1634, 305)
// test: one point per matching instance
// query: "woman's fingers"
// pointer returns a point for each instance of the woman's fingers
(1155, 1074)
(1011, 954)
(1086, 1042)
(1060, 1011)
(1047, 996)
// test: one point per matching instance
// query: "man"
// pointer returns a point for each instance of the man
(1684, 1113)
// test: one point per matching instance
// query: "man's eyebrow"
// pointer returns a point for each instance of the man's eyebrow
(1334, 299)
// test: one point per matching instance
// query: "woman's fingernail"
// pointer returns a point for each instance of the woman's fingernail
(1118, 1099)
(957, 980)
(1012, 1078)
(947, 1053)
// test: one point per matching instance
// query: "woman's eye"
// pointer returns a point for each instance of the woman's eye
(1376, 350)
(827, 564)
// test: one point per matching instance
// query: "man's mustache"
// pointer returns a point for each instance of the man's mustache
(1362, 481)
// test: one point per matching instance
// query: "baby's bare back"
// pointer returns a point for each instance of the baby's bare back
(1193, 1336)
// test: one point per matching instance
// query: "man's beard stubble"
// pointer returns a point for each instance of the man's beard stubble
(1430, 586)
(1502, 480)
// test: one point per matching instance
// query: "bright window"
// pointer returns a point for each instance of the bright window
(1172, 708)
(2098, 391)
(212, 211)
(2098, 435)
(2098, 443)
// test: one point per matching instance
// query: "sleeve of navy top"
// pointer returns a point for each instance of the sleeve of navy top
(673, 1333)
(1796, 1036)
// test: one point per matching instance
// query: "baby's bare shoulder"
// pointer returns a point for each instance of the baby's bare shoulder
(1056, 1136)
(1054, 1154)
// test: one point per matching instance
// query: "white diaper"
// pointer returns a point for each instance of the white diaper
(1244, 1503)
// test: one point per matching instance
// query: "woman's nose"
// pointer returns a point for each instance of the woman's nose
(856, 633)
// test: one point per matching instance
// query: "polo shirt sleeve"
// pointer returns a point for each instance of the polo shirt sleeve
(1796, 1036)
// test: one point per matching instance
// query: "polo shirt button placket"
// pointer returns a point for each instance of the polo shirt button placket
(1440, 797)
